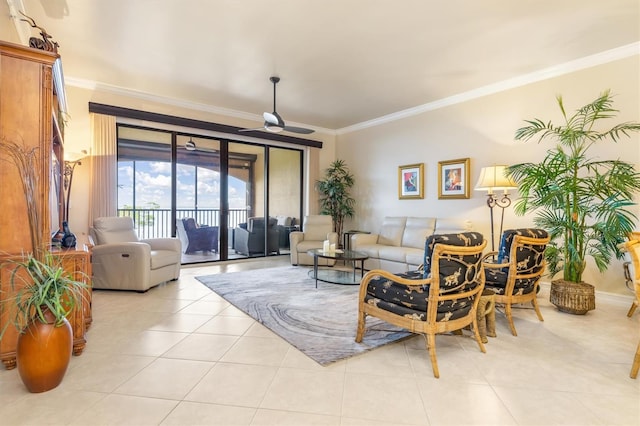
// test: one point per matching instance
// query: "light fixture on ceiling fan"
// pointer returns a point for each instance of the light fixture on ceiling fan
(191, 146)
(273, 122)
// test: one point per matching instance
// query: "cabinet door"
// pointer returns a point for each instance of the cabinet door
(10, 338)
(77, 262)
(26, 96)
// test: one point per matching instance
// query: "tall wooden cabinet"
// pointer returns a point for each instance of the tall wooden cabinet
(28, 113)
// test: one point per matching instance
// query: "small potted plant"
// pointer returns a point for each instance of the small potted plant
(581, 200)
(43, 296)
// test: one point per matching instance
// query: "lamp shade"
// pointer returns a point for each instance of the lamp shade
(75, 156)
(494, 178)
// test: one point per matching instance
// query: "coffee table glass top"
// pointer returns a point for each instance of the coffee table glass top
(339, 254)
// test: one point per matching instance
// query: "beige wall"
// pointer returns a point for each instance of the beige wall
(78, 137)
(483, 130)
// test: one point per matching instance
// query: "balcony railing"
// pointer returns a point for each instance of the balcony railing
(156, 223)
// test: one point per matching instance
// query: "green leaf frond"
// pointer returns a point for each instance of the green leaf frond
(583, 203)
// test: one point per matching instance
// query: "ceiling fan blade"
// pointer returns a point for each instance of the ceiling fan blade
(300, 130)
(251, 130)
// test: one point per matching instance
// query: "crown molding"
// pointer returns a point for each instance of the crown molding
(601, 58)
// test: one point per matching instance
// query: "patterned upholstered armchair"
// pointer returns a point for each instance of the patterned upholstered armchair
(632, 269)
(442, 298)
(633, 248)
(516, 274)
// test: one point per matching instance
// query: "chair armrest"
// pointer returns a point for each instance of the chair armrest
(376, 273)
(493, 265)
(172, 244)
(363, 239)
(295, 237)
(137, 249)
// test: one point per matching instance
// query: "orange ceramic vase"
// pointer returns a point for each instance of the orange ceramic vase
(43, 353)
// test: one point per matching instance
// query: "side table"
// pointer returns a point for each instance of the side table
(347, 237)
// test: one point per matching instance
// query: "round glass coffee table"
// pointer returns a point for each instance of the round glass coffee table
(337, 276)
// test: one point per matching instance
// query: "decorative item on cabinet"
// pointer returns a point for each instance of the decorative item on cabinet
(43, 44)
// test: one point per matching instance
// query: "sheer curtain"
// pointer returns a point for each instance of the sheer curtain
(103, 195)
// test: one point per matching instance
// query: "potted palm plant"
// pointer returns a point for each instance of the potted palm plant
(581, 200)
(335, 199)
(41, 294)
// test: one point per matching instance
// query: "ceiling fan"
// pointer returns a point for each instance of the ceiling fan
(190, 145)
(272, 120)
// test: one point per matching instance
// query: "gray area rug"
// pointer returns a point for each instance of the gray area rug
(319, 322)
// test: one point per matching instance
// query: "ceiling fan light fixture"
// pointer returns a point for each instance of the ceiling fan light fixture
(190, 145)
(273, 128)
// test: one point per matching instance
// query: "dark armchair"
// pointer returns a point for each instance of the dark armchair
(196, 238)
(248, 239)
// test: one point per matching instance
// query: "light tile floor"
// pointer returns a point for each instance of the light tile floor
(181, 355)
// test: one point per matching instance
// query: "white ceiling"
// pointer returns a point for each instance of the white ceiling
(342, 62)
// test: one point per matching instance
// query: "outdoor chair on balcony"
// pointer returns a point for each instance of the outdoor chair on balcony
(120, 261)
(248, 238)
(194, 237)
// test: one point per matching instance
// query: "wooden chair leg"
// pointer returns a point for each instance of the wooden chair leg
(479, 338)
(507, 311)
(632, 309)
(482, 319)
(534, 302)
(431, 347)
(636, 364)
(361, 326)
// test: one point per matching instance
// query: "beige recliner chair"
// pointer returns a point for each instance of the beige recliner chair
(122, 262)
(315, 230)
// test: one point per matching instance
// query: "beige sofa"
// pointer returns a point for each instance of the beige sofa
(399, 245)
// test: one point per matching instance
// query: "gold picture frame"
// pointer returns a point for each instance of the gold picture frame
(411, 181)
(453, 179)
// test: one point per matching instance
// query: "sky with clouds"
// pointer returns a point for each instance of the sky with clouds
(153, 186)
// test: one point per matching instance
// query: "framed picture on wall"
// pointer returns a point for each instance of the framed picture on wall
(453, 179)
(411, 181)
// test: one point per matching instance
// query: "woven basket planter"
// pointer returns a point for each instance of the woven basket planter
(573, 298)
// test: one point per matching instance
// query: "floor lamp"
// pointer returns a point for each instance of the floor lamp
(494, 178)
(73, 160)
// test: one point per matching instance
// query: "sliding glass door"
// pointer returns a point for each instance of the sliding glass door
(198, 198)
(224, 199)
